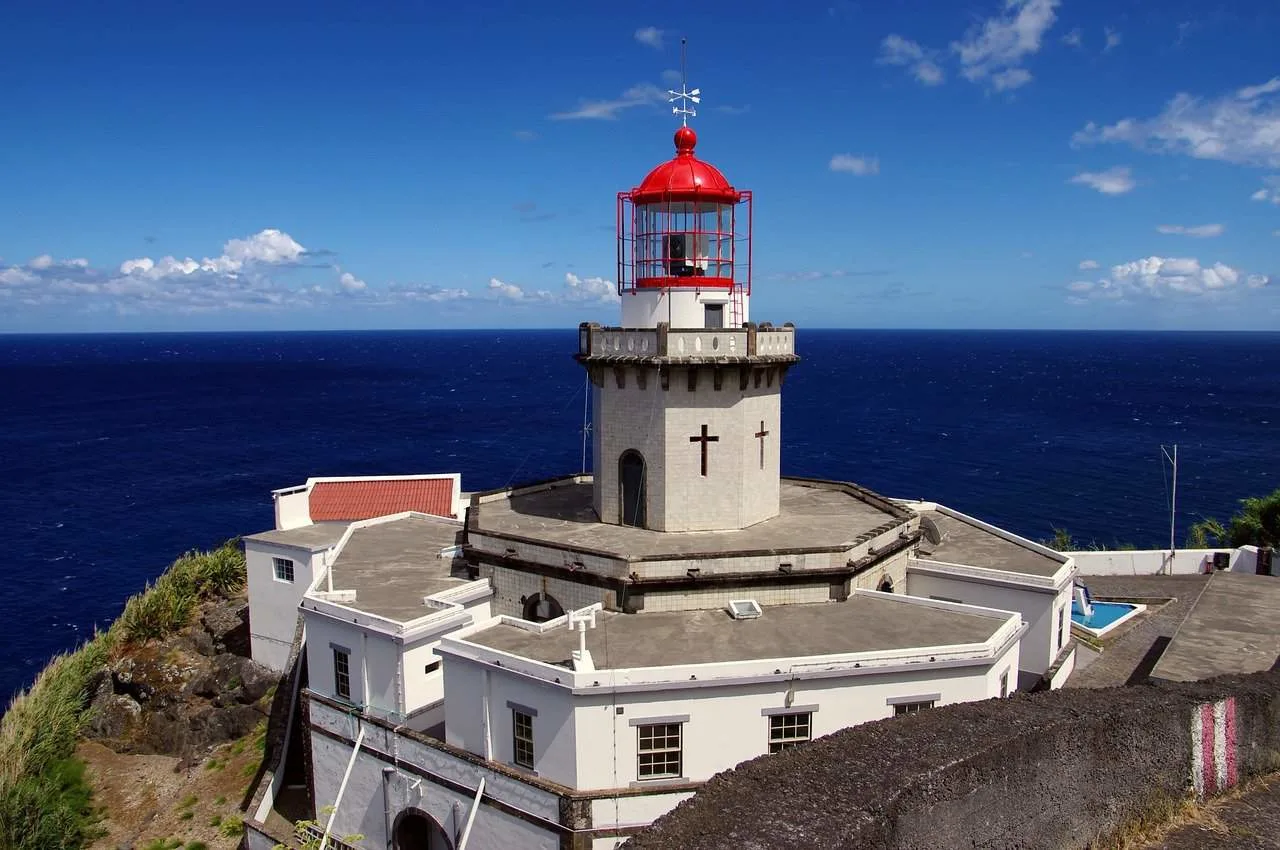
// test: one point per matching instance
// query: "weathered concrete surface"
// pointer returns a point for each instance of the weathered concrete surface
(811, 516)
(1044, 770)
(863, 624)
(392, 565)
(969, 544)
(1234, 628)
(1251, 822)
(1130, 656)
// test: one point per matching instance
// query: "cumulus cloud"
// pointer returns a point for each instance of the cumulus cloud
(861, 166)
(1166, 277)
(351, 283)
(1241, 127)
(254, 273)
(995, 49)
(650, 37)
(512, 292)
(1270, 190)
(1085, 265)
(1113, 181)
(641, 94)
(1201, 231)
(590, 289)
(922, 62)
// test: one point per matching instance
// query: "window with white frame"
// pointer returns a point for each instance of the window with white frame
(1062, 627)
(342, 672)
(789, 730)
(522, 738)
(284, 569)
(902, 708)
(1004, 684)
(658, 751)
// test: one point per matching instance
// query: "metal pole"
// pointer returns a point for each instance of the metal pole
(1173, 503)
(471, 817)
(355, 752)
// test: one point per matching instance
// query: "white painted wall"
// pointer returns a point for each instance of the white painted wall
(1039, 609)
(273, 604)
(679, 308)
(1149, 562)
(293, 507)
(725, 724)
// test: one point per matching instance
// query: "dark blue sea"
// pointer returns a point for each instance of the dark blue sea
(120, 452)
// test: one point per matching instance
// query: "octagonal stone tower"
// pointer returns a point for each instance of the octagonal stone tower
(687, 392)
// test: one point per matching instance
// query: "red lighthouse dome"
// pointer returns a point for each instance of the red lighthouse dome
(685, 177)
(686, 228)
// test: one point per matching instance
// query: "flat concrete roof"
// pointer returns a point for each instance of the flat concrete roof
(1233, 628)
(963, 543)
(392, 565)
(822, 515)
(315, 537)
(861, 624)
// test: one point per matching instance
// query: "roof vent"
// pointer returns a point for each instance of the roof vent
(744, 609)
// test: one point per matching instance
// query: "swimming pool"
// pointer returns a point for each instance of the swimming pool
(1104, 617)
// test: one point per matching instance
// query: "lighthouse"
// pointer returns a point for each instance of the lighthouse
(687, 393)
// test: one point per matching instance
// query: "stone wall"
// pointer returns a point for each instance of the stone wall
(1056, 769)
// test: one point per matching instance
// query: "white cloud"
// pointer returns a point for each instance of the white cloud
(642, 94)
(896, 50)
(862, 166)
(1001, 43)
(590, 289)
(1011, 78)
(268, 247)
(1073, 38)
(1113, 181)
(672, 77)
(351, 283)
(1113, 39)
(512, 292)
(1201, 231)
(1088, 264)
(1270, 190)
(650, 37)
(1167, 277)
(1242, 127)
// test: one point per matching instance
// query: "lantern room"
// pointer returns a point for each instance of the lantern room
(684, 245)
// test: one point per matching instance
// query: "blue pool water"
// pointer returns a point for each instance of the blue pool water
(1104, 614)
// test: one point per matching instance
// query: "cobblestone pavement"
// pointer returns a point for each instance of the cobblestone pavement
(1251, 822)
(1139, 647)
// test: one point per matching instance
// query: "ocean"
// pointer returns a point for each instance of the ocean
(119, 452)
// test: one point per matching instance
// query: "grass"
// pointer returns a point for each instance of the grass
(45, 800)
(232, 826)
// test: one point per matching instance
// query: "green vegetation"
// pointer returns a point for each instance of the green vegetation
(1257, 523)
(307, 834)
(1063, 541)
(232, 826)
(164, 844)
(44, 797)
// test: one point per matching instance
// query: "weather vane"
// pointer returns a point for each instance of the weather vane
(686, 98)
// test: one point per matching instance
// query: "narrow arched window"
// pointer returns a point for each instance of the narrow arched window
(631, 483)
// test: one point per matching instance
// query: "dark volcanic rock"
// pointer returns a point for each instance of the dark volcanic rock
(228, 625)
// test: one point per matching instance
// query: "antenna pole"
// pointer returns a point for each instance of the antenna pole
(1173, 500)
(684, 119)
(586, 397)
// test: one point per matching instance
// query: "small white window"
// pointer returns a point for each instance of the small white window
(284, 569)
(1062, 627)
(522, 733)
(789, 730)
(659, 753)
(1004, 684)
(911, 707)
(342, 673)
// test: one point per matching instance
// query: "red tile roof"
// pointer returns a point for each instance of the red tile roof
(347, 501)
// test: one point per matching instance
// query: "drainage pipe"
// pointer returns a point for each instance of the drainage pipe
(324, 841)
(471, 817)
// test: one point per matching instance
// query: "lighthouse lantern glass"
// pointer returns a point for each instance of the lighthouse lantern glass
(676, 239)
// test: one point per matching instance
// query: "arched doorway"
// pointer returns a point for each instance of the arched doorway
(631, 483)
(541, 607)
(886, 585)
(414, 829)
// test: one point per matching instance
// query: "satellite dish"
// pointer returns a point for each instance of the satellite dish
(931, 531)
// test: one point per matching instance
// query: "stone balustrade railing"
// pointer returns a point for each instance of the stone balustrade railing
(595, 341)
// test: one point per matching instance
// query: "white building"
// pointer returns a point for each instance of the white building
(723, 611)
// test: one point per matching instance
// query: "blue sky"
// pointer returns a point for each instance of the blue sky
(983, 164)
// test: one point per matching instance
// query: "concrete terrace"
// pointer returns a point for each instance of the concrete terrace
(392, 565)
(313, 538)
(814, 515)
(972, 545)
(865, 623)
(1231, 629)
